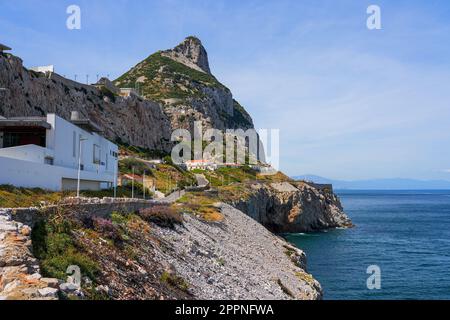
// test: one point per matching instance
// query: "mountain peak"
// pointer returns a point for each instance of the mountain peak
(191, 53)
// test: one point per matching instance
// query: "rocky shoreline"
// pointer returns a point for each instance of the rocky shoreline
(293, 207)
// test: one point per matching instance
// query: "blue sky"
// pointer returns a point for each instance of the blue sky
(351, 103)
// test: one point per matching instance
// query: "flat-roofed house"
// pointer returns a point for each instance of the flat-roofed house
(199, 165)
(44, 152)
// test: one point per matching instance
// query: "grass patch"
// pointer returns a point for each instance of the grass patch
(174, 281)
(54, 246)
(128, 164)
(168, 178)
(306, 277)
(200, 204)
(139, 152)
(164, 216)
(13, 197)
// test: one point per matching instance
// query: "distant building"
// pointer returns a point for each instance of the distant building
(4, 48)
(128, 92)
(44, 69)
(44, 152)
(199, 165)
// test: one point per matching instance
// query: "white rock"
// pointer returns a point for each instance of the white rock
(69, 287)
(34, 276)
(48, 292)
(51, 282)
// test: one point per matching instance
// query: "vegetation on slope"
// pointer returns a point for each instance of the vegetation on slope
(200, 204)
(165, 80)
(117, 251)
(162, 78)
(14, 197)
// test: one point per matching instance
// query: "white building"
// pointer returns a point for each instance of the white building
(127, 92)
(199, 165)
(44, 69)
(45, 152)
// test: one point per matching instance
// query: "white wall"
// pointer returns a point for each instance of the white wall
(66, 149)
(38, 175)
(24, 165)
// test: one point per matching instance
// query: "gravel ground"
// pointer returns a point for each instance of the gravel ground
(236, 259)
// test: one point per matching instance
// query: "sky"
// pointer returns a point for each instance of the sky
(350, 103)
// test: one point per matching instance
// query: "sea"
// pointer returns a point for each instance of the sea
(399, 249)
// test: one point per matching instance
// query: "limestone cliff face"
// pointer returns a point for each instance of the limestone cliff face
(293, 207)
(133, 120)
(190, 53)
(181, 80)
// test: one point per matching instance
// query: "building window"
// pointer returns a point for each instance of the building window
(74, 144)
(48, 160)
(96, 158)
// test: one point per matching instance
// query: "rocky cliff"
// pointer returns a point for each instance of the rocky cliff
(181, 80)
(291, 207)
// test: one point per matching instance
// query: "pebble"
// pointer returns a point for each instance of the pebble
(51, 282)
(34, 276)
(69, 287)
(48, 292)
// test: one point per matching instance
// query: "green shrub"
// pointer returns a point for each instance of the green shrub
(164, 216)
(129, 164)
(174, 281)
(54, 246)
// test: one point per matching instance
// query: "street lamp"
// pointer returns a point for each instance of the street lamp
(143, 184)
(115, 179)
(132, 183)
(79, 166)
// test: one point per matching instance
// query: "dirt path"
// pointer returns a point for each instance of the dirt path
(201, 180)
(171, 198)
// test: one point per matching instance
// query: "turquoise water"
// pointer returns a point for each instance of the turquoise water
(405, 233)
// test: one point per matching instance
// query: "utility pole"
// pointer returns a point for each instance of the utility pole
(75, 77)
(87, 79)
(143, 184)
(115, 180)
